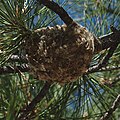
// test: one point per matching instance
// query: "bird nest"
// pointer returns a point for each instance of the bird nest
(60, 53)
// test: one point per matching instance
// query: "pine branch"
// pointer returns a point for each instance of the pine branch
(102, 69)
(111, 39)
(103, 61)
(20, 59)
(115, 105)
(108, 68)
(25, 113)
(114, 81)
(16, 69)
(58, 10)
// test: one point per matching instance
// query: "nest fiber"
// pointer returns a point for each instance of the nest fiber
(60, 53)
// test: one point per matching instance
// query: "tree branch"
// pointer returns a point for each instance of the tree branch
(16, 58)
(115, 105)
(103, 61)
(25, 113)
(58, 10)
(16, 69)
(116, 80)
(110, 39)
(108, 68)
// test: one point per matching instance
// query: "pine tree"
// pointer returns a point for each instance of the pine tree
(53, 70)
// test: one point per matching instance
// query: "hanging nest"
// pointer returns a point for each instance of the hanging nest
(60, 53)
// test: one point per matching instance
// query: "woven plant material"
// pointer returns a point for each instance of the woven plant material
(60, 53)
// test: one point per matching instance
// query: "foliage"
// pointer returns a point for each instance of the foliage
(87, 98)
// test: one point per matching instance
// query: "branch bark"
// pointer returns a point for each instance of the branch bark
(108, 68)
(25, 113)
(58, 10)
(111, 42)
(110, 39)
(114, 106)
(16, 69)
(20, 59)
(104, 61)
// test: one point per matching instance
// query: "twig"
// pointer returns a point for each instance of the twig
(113, 47)
(24, 114)
(103, 61)
(115, 105)
(116, 80)
(110, 39)
(16, 58)
(58, 10)
(108, 68)
(111, 82)
(10, 69)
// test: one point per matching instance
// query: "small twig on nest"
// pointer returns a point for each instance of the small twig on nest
(25, 113)
(115, 105)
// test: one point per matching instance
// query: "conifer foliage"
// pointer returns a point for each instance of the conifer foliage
(51, 71)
